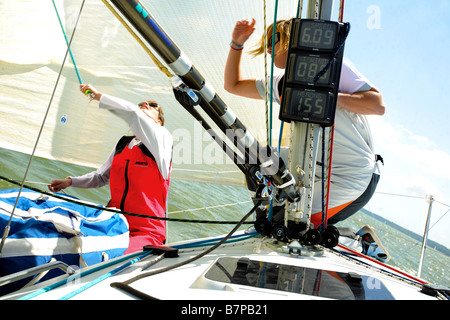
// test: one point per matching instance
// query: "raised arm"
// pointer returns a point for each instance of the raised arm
(233, 80)
(155, 137)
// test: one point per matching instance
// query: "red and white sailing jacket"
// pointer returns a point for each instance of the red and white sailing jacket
(137, 186)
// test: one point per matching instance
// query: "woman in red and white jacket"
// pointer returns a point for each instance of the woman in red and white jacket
(137, 169)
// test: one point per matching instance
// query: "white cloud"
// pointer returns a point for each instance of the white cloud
(414, 167)
(417, 154)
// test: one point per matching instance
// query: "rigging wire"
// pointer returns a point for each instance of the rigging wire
(419, 197)
(7, 227)
(211, 207)
(399, 195)
(99, 207)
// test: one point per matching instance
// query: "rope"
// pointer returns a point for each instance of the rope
(341, 10)
(67, 42)
(274, 31)
(106, 275)
(266, 89)
(404, 276)
(83, 272)
(330, 146)
(269, 97)
(325, 193)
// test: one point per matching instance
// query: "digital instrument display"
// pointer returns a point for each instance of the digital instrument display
(308, 105)
(313, 70)
(306, 67)
(316, 34)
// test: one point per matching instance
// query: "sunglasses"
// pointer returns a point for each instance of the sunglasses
(277, 38)
(150, 104)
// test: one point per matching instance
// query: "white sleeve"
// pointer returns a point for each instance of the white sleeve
(95, 179)
(260, 86)
(352, 80)
(155, 137)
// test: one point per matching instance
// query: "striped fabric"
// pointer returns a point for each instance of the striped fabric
(44, 227)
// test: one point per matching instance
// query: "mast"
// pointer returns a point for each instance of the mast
(304, 142)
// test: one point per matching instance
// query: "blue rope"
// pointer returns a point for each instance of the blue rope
(82, 274)
(105, 276)
(235, 238)
(67, 42)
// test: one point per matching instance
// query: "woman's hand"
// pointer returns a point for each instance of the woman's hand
(88, 89)
(242, 31)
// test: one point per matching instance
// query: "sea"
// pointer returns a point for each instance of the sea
(217, 200)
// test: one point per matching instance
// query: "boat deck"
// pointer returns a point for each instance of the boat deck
(251, 269)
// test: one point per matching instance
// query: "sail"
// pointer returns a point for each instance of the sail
(107, 56)
(74, 130)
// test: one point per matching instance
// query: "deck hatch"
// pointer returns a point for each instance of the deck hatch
(295, 279)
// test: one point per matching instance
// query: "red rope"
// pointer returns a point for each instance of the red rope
(382, 264)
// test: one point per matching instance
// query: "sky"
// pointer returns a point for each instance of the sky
(402, 47)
